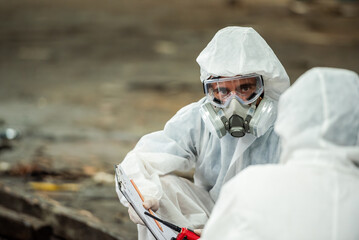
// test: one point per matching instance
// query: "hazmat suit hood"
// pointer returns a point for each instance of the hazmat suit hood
(239, 51)
(320, 113)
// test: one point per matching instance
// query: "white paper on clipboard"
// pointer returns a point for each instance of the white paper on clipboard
(131, 195)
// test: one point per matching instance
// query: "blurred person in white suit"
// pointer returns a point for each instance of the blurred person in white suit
(314, 192)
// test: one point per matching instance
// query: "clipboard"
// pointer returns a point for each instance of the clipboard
(158, 230)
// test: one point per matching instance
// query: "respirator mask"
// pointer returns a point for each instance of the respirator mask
(235, 105)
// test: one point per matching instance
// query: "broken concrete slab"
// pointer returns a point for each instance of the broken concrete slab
(20, 226)
(30, 217)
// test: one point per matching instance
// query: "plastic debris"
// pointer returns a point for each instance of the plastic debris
(103, 178)
(47, 186)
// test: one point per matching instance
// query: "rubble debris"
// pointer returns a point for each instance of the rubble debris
(37, 218)
(48, 186)
(7, 137)
(16, 225)
(41, 168)
(89, 170)
(4, 167)
(9, 134)
(104, 178)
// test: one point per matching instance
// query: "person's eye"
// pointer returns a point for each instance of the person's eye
(246, 87)
(223, 91)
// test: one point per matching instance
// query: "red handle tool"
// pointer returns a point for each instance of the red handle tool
(184, 233)
(187, 234)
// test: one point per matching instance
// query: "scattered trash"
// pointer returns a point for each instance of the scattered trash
(7, 136)
(4, 167)
(47, 186)
(41, 169)
(104, 178)
(89, 170)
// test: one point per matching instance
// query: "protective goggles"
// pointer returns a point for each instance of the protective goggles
(221, 90)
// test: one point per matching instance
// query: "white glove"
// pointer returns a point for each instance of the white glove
(133, 216)
(149, 203)
(198, 231)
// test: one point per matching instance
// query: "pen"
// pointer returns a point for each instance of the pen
(139, 193)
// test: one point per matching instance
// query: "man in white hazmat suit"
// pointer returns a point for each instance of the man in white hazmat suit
(243, 80)
(314, 192)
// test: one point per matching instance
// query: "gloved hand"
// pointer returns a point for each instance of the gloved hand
(149, 203)
(198, 231)
(133, 216)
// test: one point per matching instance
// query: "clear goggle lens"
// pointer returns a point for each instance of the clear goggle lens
(221, 90)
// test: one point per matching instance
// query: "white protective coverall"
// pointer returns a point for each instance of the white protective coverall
(186, 144)
(314, 192)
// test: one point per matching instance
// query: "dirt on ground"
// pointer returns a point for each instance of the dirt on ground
(82, 81)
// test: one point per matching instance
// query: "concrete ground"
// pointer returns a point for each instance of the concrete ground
(83, 80)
